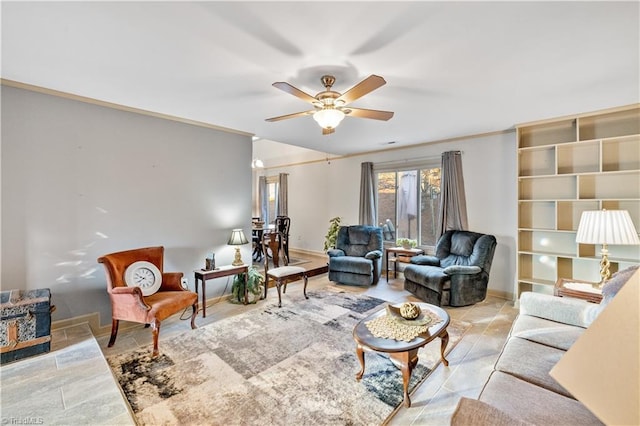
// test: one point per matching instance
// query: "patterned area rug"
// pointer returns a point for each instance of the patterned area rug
(270, 365)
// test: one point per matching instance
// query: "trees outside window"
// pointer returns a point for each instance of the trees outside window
(408, 204)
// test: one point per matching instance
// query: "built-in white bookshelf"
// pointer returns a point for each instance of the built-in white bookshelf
(567, 166)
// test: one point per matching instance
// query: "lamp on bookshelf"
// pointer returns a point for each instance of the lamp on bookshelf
(606, 227)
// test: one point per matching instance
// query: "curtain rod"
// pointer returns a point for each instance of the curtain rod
(413, 160)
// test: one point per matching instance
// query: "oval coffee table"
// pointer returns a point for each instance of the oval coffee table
(403, 354)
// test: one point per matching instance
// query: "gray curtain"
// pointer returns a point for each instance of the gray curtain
(368, 206)
(453, 203)
(263, 199)
(282, 209)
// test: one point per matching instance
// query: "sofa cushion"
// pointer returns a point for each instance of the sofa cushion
(477, 413)
(461, 270)
(531, 362)
(550, 333)
(354, 265)
(359, 235)
(560, 309)
(424, 259)
(432, 277)
(535, 404)
(462, 243)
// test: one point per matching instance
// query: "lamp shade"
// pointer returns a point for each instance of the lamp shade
(607, 227)
(237, 238)
(328, 118)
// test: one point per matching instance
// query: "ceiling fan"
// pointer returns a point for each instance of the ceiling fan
(330, 107)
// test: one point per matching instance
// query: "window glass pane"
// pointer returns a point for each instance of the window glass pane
(387, 204)
(407, 199)
(408, 204)
(429, 205)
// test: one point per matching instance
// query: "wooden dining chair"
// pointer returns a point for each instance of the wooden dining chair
(281, 275)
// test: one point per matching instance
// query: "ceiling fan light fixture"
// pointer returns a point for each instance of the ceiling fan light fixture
(328, 118)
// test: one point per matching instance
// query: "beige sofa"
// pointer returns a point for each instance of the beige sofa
(520, 389)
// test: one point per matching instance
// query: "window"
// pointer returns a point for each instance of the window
(272, 199)
(409, 203)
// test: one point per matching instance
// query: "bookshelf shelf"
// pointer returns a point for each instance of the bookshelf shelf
(567, 166)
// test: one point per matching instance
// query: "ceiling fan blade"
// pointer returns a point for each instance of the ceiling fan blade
(367, 85)
(286, 87)
(327, 131)
(368, 113)
(294, 115)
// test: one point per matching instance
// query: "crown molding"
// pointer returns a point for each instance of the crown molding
(60, 94)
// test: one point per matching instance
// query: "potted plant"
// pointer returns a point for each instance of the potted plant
(332, 233)
(255, 286)
(406, 243)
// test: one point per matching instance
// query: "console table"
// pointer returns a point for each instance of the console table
(223, 271)
(400, 254)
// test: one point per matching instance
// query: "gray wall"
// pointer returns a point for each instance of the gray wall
(81, 180)
(321, 190)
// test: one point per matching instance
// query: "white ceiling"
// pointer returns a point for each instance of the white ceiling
(452, 68)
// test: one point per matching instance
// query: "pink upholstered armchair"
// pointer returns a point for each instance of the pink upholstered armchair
(128, 302)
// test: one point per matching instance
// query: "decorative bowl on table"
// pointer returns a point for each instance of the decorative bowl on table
(408, 314)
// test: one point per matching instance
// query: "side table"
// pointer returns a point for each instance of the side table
(222, 271)
(399, 255)
(578, 289)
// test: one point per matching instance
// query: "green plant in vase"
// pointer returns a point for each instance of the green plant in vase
(332, 233)
(255, 286)
(406, 243)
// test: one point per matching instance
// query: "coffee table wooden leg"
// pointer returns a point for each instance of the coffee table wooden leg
(444, 341)
(360, 354)
(406, 361)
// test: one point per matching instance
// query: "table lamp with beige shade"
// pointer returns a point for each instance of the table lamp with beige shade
(606, 227)
(237, 238)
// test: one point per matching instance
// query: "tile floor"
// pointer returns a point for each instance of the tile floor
(73, 384)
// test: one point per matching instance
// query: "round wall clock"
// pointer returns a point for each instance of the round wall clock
(145, 275)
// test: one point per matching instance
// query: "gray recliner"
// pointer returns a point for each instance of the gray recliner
(357, 257)
(458, 274)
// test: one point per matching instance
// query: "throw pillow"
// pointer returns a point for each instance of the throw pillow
(615, 283)
(609, 290)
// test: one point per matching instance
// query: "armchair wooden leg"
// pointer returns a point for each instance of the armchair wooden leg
(193, 316)
(114, 332)
(156, 332)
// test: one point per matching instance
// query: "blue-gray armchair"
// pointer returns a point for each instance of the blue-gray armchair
(357, 257)
(457, 275)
